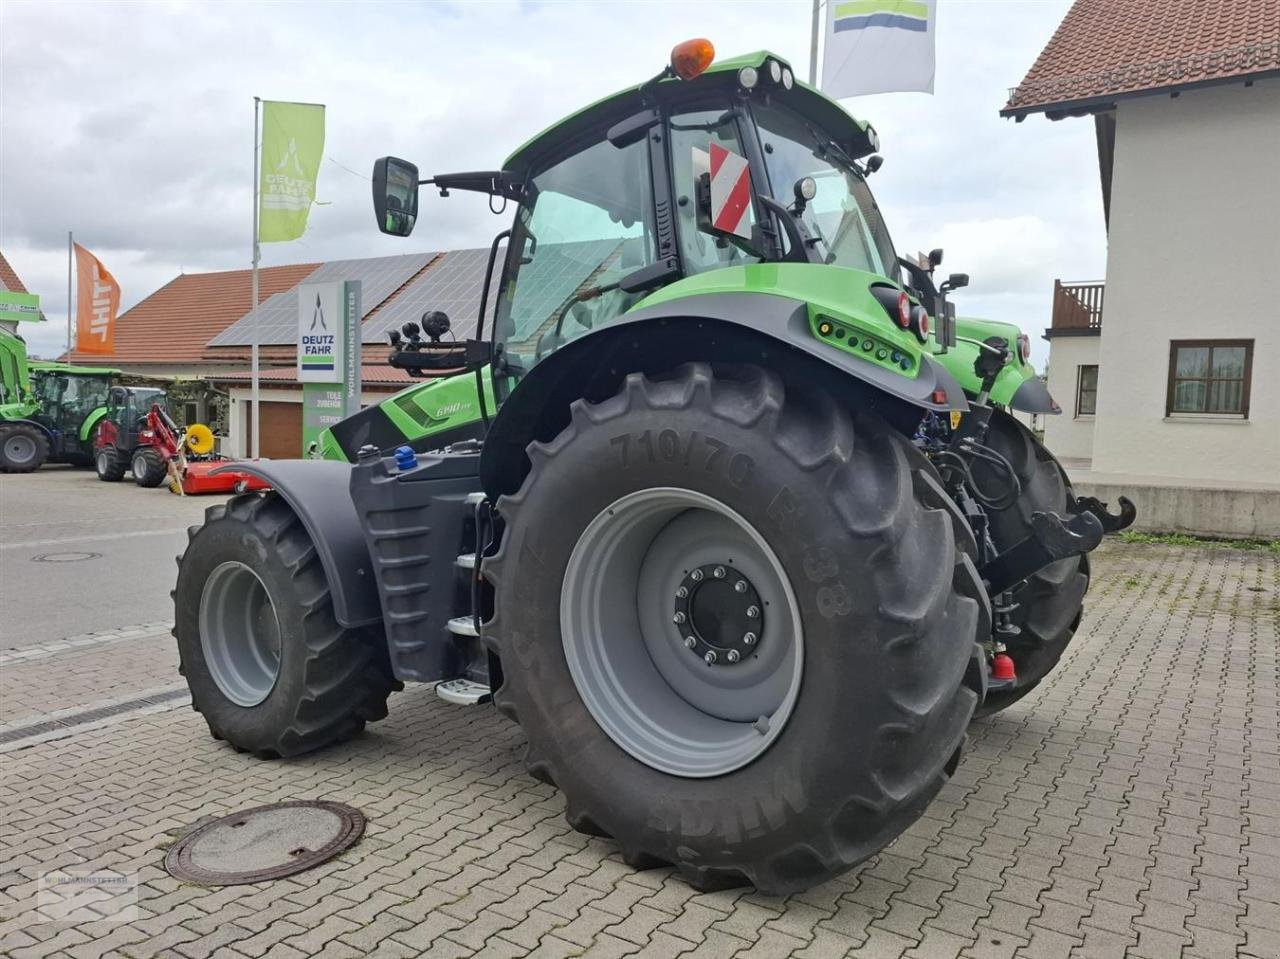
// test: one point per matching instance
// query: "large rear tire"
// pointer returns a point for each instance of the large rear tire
(148, 467)
(23, 448)
(270, 669)
(110, 464)
(1050, 603)
(833, 729)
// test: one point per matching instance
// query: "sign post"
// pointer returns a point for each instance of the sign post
(328, 355)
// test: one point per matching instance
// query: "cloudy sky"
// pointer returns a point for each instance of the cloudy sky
(132, 125)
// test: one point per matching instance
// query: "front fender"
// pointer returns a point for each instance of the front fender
(318, 492)
(730, 327)
(91, 421)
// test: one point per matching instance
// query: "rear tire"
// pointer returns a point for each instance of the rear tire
(251, 589)
(109, 464)
(23, 448)
(148, 467)
(888, 603)
(1050, 603)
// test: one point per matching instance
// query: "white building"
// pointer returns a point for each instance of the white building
(1169, 371)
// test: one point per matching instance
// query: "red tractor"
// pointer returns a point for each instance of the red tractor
(126, 439)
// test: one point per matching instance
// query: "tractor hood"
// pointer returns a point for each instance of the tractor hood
(1017, 386)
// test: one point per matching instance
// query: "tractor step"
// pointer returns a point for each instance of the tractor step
(463, 692)
(463, 626)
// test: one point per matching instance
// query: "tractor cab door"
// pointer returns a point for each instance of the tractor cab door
(585, 224)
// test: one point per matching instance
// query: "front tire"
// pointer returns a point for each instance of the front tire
(887, 607)
(23, 448)
(109, 464)
(148, 467)
(270, 669)
(1051, 602)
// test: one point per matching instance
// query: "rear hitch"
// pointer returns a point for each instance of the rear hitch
(1111, 523)
(1051, 539)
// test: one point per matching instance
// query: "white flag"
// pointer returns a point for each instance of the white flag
(878, 46)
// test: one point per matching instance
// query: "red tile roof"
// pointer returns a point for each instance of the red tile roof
(1107, 49)
(371, 374)
(175, 322)
(9, 278)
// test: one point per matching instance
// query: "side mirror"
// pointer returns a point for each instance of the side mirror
(957, 281)
(395, 195)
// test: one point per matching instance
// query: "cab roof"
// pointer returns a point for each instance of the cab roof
(855, 136)
(47, 366)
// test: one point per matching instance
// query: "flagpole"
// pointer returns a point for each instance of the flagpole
(254, 419)
(815, 31)
(69, 314)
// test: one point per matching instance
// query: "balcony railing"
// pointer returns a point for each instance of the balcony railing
(1077, 307)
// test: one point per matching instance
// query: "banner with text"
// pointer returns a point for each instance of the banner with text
(97, 304)
(19, 307)
(878, 46)
(328, 354)
(292, 148)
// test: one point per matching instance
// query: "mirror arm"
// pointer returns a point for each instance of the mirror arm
(502, 183)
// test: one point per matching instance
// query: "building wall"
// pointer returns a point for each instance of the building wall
(237, 440)
(1193, 252)
(1070, 434)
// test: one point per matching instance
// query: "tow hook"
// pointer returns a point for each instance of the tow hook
(1111, 523)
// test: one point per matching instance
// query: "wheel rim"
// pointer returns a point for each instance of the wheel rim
(19, 449)
(652, 571)
(101, 462)
(239, 634)
(139, 465)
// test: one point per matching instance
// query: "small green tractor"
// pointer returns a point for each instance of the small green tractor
(723, 506)
(48, 411)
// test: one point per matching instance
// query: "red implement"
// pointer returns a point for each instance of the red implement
(198, 478)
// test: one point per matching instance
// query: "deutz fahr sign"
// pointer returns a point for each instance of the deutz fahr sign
(328, 354)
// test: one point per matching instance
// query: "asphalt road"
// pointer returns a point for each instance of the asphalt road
(80, 556)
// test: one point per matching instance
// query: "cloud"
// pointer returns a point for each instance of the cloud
(131, 124)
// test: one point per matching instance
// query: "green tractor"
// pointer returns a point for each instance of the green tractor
(48, 411)
(725, 509)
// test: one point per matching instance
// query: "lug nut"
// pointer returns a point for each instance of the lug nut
(682, 592)
(749, 639)
(753, 612)
(718, 572)
(678, 618)
(696, 576)
(740, 586)
(733, 656)
(690, 642)
(710, 657)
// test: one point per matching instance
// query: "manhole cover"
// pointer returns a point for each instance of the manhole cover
(63, 557)
(267, 842)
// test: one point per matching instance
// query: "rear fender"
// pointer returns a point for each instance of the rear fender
(761, 328)
(318, 492)
(32, 423)
(91, 421)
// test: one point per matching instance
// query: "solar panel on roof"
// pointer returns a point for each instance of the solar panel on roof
(278, 315)
(453, 284)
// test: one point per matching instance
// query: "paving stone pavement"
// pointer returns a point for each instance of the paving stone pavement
(1128, 807)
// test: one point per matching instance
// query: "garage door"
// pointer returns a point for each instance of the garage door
(281, 430)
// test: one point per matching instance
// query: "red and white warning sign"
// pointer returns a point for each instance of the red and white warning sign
(730, 192)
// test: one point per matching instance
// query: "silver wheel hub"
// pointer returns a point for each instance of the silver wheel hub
(239, 634)
(662, 615)
(19, 448)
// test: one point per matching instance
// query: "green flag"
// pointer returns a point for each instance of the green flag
(292, 146)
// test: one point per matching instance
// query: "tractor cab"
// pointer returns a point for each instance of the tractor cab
(71, 398)
(707, 166)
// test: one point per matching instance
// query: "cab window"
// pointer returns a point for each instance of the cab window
(843, 217)
(691, 137)
(586, 223)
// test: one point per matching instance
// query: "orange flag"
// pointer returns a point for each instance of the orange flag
(97, 302)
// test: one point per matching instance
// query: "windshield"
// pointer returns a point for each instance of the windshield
(843, 216)
(585, 224)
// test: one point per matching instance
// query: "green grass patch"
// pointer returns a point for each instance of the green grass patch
(1182, 539)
